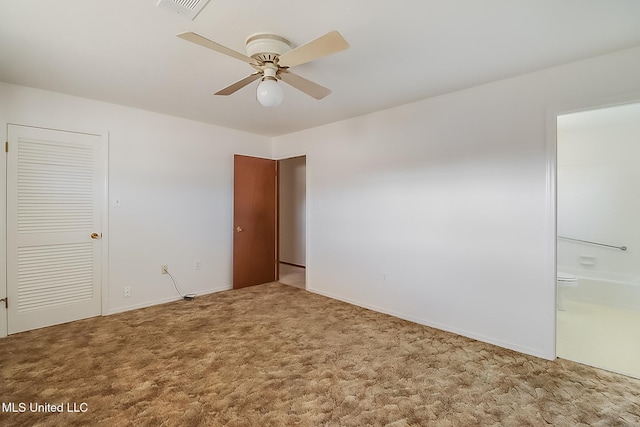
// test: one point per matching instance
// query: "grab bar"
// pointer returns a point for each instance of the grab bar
(622, 248)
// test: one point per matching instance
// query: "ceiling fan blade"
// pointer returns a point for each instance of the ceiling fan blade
(203, 41)
(239, 84)
(322, 46)
(307, 86)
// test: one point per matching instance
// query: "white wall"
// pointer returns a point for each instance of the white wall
(292, 210)
(599, 192)
(174, 178)
(438, 211)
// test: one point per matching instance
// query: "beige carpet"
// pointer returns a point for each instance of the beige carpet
(274, 355)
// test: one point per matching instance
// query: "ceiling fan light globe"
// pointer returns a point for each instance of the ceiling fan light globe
(269, 93)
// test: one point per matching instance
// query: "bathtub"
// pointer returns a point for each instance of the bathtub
(611, 293)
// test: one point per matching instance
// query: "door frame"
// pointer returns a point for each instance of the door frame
(103, 164)
(551, 208)
(306, 214)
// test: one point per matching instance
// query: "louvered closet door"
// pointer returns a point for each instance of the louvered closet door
(54, 195)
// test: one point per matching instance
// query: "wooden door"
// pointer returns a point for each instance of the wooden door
(254, 221)
(55, 191)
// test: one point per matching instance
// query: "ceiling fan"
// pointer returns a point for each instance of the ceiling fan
(272, 57)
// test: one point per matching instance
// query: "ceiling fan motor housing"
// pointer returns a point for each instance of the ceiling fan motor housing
(267, 47)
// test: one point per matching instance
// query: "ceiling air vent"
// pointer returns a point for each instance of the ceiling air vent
(187, 8)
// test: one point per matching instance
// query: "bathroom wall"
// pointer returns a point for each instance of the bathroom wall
(599, 192)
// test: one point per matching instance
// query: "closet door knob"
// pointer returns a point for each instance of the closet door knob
(95, 236)
(238, 229)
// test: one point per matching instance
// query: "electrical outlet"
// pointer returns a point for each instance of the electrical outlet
(164, 269)
(198, 264)
(126, 292)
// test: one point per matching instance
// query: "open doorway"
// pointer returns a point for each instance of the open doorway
(269, 221)
(292, 221)
(598, 238)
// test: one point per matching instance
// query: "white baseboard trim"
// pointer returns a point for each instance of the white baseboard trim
(164, 301)
(435, 325)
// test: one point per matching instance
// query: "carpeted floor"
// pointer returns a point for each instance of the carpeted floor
(274, 355)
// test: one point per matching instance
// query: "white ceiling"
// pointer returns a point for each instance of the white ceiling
(126, 52)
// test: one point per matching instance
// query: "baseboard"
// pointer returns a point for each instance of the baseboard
(435, 325)
(292, 264)
(164, 301)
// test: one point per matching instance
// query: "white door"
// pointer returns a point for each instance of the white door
(55, 189)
